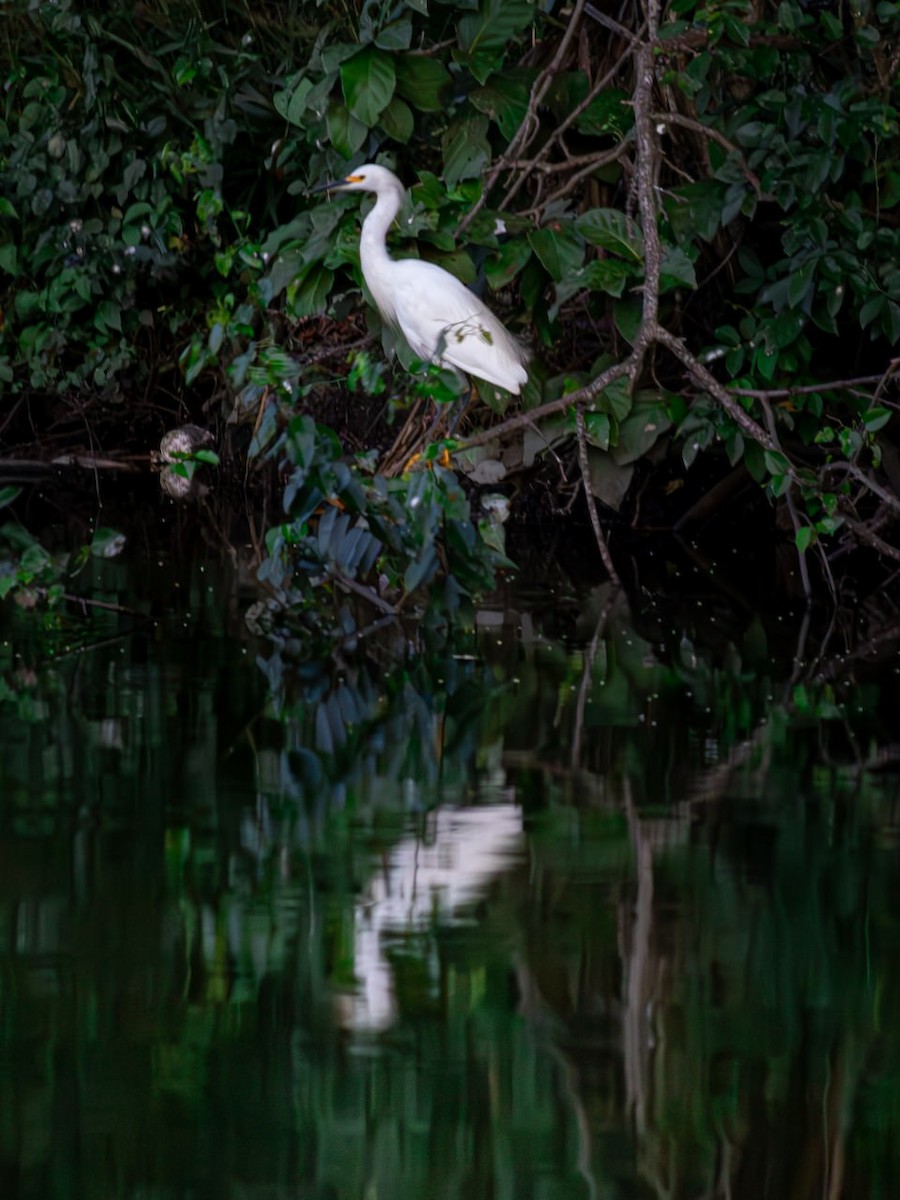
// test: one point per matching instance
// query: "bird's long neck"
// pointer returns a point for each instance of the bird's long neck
(373, 255)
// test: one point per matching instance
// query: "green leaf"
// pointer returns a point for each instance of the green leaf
(890, 321)
(876, 418)
(291, 104)
(397, 120)
(627, 316)
(506, 262)
(608, 275)
(504, 99)
(676, 270)
(607, 113)
(108, 316)
(799, 284)
(7, 208)
(870, 310)
(345, 132)
(611, 229)
(8, 494)
(422, 81)
(483, 36)
(597, 428)
(615, 399)
(422, 570)
(465, 148)
(395, 36)
(309, 295)
(368, 81)
(495, 23)
(9, 259)
(560, 250)
(641, 427)
(776, 463)
(695, 209)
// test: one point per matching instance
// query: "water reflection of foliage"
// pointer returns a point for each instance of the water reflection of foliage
(688, 991)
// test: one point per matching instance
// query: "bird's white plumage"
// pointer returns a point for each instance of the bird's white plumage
(437, 314)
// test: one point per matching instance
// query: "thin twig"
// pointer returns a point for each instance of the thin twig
(715, 136)
(791, 506)
(523, 134)
(806, 389)
(556, 135)
(862, 531)
(363, 590)
(584, 464)
(520, 420)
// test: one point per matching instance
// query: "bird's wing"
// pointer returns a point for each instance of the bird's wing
(444, 322)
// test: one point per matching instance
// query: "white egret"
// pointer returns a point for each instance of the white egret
(441, 319)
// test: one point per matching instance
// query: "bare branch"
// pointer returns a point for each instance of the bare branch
(525, 132)
(715, 136)
(585, 466)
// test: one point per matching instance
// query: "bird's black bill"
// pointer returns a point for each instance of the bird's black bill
(335, 185)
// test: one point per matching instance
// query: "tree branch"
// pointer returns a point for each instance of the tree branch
(585, 466)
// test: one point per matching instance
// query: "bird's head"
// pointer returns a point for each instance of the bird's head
(367, 178)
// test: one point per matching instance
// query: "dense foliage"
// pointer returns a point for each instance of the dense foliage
(695, 226)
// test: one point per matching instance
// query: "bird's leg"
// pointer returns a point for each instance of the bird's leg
(459, 408)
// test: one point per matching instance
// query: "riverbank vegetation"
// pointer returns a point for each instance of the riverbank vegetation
(689, 211)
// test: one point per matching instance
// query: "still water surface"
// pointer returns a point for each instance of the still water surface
(615, 914)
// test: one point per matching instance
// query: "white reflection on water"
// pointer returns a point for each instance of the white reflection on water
(426, 881)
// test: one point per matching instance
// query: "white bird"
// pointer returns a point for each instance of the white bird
(441, 319)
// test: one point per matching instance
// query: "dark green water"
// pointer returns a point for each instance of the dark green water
(610, 916)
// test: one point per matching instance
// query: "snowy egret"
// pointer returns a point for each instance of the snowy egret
(441, 319)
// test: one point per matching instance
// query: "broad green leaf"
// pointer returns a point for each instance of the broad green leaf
(9, 259)
(870, 310)
(422, 81)
(610, 480)
(8, 494)
(627, 316)
(611, 229)
(676, 270)
(368, 81)
(422, 570)
(695, 209)
(641, 426)
(776, 463)
(597, 428)
(309, 296)
(345, 132)
(465, 148)
(495, 23)
(506, 262)
(608, 275)
(397, 120)
(484, 36)
(890, 321)
(108, 316)
(7, 209)
(395, 36)
(799, 284)
(608, 113)
(504, 99)
(876, 418)
(615, 399)
(292, 104)
(560, 250)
